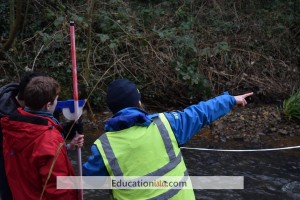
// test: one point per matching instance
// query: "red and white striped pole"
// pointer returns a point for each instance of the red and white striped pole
(75, 96)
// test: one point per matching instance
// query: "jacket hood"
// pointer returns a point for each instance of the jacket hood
(22, 129)
(8, 103)
(127, 118)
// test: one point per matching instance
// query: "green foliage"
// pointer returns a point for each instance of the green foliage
(291, 106)
(179, 49)
(196, 83)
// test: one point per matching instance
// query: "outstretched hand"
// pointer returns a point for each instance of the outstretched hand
(241, 99)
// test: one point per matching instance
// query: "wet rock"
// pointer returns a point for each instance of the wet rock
(233, 120)
(256, 139)
(293, 189)
(222, 138)
(282, 132)
(259, 133)
(270, 187)
(273, 129)
(220, 126)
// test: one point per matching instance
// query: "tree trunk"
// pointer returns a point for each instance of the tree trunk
(15, 22)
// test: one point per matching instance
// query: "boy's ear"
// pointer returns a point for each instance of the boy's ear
(48, 105)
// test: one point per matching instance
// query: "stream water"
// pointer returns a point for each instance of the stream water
(267, 175)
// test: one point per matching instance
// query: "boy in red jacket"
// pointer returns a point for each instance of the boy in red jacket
(33, 146)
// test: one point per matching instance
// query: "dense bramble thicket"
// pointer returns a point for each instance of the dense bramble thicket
(178, 52)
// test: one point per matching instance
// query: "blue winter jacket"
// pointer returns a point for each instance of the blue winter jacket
(185, 124)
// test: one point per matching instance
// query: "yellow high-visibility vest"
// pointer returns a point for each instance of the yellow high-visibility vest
(145, 151)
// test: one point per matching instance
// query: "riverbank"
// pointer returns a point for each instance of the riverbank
(260, 126)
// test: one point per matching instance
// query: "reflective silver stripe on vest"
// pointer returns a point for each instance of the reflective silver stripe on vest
(166, 138)
(112, 160)
(167, 167)
(174, 160)
(172, 192)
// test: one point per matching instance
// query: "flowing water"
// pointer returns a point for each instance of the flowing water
(267, 175)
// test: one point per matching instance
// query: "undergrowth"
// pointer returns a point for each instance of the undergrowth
(177, 52)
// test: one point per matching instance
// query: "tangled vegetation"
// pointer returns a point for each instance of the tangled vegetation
(177, 52)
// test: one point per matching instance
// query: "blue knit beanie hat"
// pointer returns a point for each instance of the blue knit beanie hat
(121, 94)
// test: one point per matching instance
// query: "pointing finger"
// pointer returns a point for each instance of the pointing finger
(248, 94)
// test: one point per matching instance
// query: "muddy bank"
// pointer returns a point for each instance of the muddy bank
(255, 125)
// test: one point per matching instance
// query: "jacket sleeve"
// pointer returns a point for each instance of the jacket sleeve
(95, 164)
(185, 124)
(52, 162)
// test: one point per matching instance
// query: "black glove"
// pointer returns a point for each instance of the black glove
(69, 131)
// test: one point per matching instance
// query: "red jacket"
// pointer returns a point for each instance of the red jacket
(30, 145)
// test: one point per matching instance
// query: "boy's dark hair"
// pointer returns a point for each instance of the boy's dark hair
(25, 80)
(39, 91)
